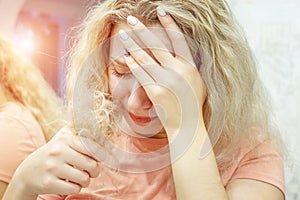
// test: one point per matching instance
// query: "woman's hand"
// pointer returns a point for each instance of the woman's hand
(62, 166)
(170, 79)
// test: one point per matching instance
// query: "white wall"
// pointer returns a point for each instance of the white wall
(273, 30)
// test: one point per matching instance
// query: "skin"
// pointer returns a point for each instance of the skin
(139, 100)
(204, 173)
(126, 88)
(3, 187)
(46, 170)
(42, 171)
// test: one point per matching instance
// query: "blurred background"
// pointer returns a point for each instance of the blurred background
(273, 31)
(42, 30)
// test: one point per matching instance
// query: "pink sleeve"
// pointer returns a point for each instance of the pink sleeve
(263, 163)
(17, 140)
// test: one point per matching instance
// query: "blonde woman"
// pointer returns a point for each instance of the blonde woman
(30, 115)
(29, 110)
(178, 109)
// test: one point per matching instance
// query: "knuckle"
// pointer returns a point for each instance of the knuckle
(77, 142)
(55, 150)
(77, 189)
(63, 134)
(73, 189)
(177, 36)
(47, 182)
(85, 180)
(131, 47)
(130, 62)
(92, 168)
(168, 21)
(143, 57)
(95, 172)
(92, 165)
(51, 166)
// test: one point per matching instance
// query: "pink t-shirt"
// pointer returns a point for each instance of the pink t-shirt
(20, 135)
(262, 163)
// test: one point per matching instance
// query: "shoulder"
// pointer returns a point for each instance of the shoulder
(20, 135)
(262, 162)
(16, 117)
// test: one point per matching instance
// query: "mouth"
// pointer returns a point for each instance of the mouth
(141, 120)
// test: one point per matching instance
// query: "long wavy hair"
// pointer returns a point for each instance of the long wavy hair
(236, 108)
(25, 84)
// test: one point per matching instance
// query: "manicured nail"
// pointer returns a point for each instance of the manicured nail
(161, 11)
(123, 35)
(126, 53)
(132, 20)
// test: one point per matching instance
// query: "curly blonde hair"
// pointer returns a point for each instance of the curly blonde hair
(236, 108)
(26, 85)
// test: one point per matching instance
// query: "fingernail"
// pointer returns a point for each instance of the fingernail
(132, 20)
(161, 11)
(126, 53)
(123, 35)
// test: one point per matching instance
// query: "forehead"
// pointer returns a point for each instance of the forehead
(116, 47)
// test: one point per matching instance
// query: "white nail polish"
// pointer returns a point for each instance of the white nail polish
(161, 11)
(123, 35)
(132, 20)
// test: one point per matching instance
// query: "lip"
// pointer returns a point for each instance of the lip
(142, 120)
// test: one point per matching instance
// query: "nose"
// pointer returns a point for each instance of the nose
(139, 99)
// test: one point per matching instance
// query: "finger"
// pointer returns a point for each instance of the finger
(66, 136)
(98, 152)
(83, 162)
(143, 67)
(176, 36)
(79, 145)
(151, 41)
(140, 73)
(74, 175)
(76, 152)
(147, 73)
(135, 50)
(61, 187)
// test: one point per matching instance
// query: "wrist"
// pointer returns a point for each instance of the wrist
(189, 139)
(18, 189)
(193, 130)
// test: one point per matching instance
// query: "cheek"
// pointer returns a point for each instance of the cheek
(112, 83)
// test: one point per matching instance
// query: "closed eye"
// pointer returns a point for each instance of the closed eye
(119, 74)
(116, 73)
(119, 68)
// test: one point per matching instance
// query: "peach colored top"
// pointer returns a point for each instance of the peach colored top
(262, 163)
(20, 135)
